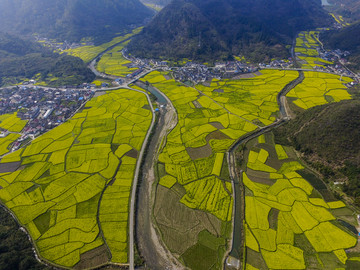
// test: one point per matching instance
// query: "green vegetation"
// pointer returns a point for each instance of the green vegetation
(339, 19)
(114, 63)
(318, 89)
(13, 124)
(306, 50)
(88, 53)
(261, 33)
(209, 122)
(99, 20)
(345, 10)
(64, 173)
(279, 209)
(16, 249)
(346, 39)
(21, 60)
(322, 131)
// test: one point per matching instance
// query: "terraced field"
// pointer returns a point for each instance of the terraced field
(114, 63)
(318, 89)
(192, 169)
(88, 53)
(340, 20)
(288, 223)
(70, 187)
(306, 50)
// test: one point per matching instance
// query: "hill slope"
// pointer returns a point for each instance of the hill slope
(346, 39)
(349, 9)
(71, 19)
(21, 59)
(328, 136)
(201, 29)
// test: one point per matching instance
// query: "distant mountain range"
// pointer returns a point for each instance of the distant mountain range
(218, 29)
(71, 20)
(23, 59)
(346, 39)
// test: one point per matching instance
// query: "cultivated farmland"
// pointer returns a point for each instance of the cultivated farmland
(71, 186)
(307, 50)
(88, 53)
(114, 63)
(192, 167)
(319, 88)
(12, 124)
(288, 224)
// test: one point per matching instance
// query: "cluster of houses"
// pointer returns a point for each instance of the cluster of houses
(43, 108)
(60, 46)
(199, 73)
(193, 72)
(278, 64)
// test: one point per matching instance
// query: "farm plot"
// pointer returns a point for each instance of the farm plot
(12, 124)
(307, 50)
(114, 63)
(193, 159)
(340, 20)
(318, 89)
(88, 53)
(72, 192)
(282, 209)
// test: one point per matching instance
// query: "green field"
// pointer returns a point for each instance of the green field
(210, 119)
(88, 53)
(281, 209)
(72, 191)
(319, 88)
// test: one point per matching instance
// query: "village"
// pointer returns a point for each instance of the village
(43, 108)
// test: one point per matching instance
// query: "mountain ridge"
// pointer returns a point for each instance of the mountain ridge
(219, 29)
(71, 20)
(346, 39)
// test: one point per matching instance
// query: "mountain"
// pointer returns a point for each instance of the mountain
(71, 20)
(346, 39)
(21, 59)
(213, 29)
(157, 2)
(328, 137)
(349, 9)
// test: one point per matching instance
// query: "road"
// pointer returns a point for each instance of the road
(239, 198)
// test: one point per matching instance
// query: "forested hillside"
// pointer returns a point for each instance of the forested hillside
(349, 9)
(71, 20)
(346, 39)
(15, 247)
(208, 30)
(328, 136)
(23, 59)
